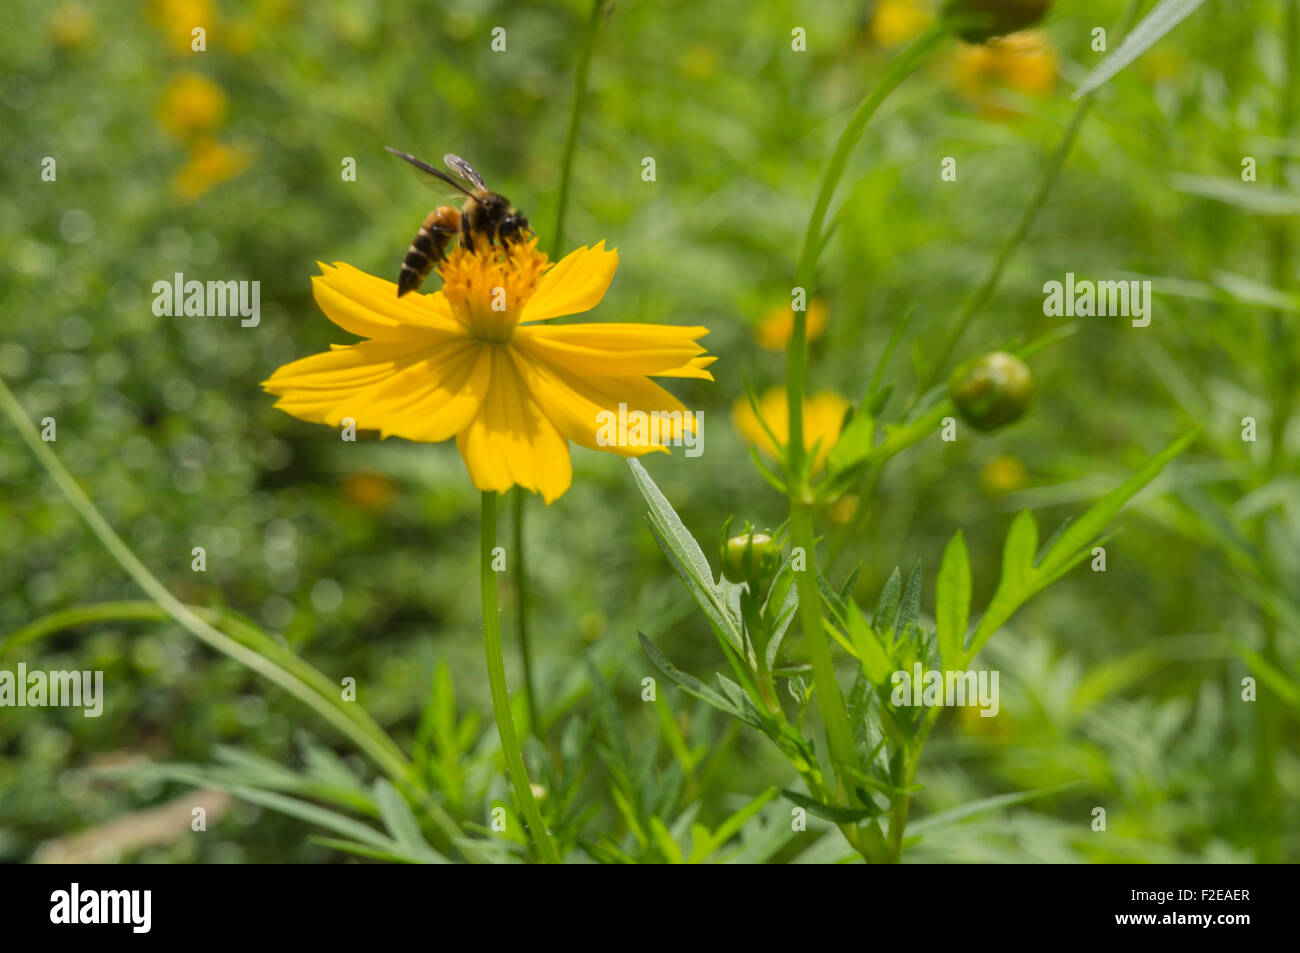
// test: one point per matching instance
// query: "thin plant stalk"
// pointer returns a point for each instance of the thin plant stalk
(496, 667)
(520, 502)
(839, 735)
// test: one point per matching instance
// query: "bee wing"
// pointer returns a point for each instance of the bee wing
(464, 170)
(438, 174)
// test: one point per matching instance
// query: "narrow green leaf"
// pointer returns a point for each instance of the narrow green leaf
(952, 602)
(685, 681)
(876, 664)
(882, 620)
(1080, 534)
(1167, 15)
(400, 821)
(934, 822)
(909, 610)
(837, 815)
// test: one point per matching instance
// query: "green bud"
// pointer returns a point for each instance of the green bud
(980, 20)
(751, 557)
(991, 390)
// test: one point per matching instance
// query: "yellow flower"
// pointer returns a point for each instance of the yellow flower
(179, 18)
(369, 491)
(70, 26)
(894, 22)
(210, 164)
(1024, 61)
(823, 416)
(191, 105)
(1002, 474)
(773, 332)
(472, 361)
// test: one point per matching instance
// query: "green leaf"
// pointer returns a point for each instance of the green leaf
(685, 681)
(882, 620)
(934, 822)
(1167, 15)
(1019, 551)
(909, 611)
(1247, 196)
(401, 823)
(952, 602)
(1021, 578)
(1080, 534)
(837, 815)
(1288, 689)
(688, 560)
(876, 663)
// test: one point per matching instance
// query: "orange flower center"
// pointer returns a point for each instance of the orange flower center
(488, 287)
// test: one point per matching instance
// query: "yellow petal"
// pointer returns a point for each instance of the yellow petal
(617, 350)
(369, 307)
(576, 284)
(425, 393)
(511, 442)
(575, 403)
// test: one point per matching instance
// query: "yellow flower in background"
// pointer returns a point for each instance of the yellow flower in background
(823, 416)
(179, 18)
(191, 105)
(70, 25)
(1025, 61)
(369, 491)
(774, 331)
(894, 22)
(1002, 474)
(472, 361)
(210, 163)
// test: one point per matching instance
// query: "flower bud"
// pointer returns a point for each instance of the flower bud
(751, 557)
(991, 390)
(980, 20)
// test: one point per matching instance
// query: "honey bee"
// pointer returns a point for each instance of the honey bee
(484, 215)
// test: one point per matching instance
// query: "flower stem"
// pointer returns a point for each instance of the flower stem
(575, 120)
(830, 699)
(521, 590)
(496, 666)
(898, 70)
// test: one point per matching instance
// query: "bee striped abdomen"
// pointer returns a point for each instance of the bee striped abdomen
(427, 249)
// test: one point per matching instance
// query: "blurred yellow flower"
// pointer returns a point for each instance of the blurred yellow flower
(894, 22)
(179, 18)
(699, 61)
(823, 416)
(70, 25)
(210, 164)
(369, 491)
(1024, 61)
(472, 361)
(191, 105)
(773, 332)
(1002, 474)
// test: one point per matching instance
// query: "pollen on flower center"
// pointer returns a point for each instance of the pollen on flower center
(488, 287)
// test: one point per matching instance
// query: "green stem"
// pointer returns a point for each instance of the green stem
(575, 119)
(898, 70)
(522, 594)
(385, 756)
(839, 735)
(993, 276)
(496, 666)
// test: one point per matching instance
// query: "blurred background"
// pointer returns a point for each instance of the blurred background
(227, 164)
